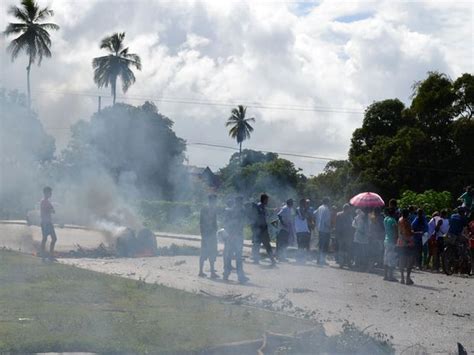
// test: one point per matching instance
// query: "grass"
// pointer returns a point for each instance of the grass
(57, 308)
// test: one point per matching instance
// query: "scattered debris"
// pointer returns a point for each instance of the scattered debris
(179, 262)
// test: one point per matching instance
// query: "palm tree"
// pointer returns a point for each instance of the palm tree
(34, 36)
(117, 64)
(240, 126)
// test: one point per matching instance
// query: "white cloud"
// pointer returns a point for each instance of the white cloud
(326, 54)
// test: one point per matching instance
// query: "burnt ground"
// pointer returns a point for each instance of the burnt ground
(433, 315)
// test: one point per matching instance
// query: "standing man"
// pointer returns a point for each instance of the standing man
(287, 230)
(47, 227)
(344, 236)
(419, 227)
(234, 226)
(322, 218)
(390, 257)
(303, 233)
(260, 230)
(406, 245)
(208, 226)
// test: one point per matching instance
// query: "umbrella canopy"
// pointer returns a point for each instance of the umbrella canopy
(367, 199)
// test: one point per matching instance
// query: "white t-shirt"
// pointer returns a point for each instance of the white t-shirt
(301, 223)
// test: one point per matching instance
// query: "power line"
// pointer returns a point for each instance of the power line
(207, 102)
(266, 151)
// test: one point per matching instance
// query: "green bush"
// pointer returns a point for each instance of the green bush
(167, 216)
(429, 200)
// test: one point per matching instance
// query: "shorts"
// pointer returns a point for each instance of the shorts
(390, 256)
(48, 229)
(209, 247)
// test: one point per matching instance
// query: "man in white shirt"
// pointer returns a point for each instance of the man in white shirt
(286, 232)
(443, 230)
(323, 224)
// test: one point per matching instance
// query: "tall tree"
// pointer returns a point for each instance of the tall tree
(240, 127)
(116, 64)
(34, 37)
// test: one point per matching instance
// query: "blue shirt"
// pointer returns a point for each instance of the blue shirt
(323, 219)
(457, 224)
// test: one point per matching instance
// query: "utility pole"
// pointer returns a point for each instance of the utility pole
(100, 104)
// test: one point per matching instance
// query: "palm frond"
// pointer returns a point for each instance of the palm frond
(127, 77)
(49, 26)
(18, 13)
(44, 13)
(117, 64)
(16, 46)
(14, 28)
(31, 9)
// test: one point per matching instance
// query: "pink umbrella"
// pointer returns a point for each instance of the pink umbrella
(367, 199)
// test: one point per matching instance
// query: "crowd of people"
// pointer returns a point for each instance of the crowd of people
(362, 238)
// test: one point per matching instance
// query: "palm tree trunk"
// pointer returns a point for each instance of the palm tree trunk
(240, 152)
(114, 89)
(28, 88)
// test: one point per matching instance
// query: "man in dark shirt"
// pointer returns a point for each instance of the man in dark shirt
(344, 235)
(260, 231)
(234, 226)
(208, 226)
(457, 222)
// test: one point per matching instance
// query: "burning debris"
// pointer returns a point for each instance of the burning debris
(131, 244)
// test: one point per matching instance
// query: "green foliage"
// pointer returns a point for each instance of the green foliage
(178, 217)
(429, 200)
(33, 37)
(335, 182)
(426, 146)
(261, 172)
(136, 143)
(240, 127)
(116, 64)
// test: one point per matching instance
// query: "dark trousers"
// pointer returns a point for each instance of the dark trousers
(360, 256)
(282, 243)
(303, 240)
(260, 237)
(418, 250)
(233, 250)
(323, 245)
(343, 249)
(438, 253)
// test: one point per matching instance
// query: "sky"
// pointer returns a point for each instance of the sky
(306, 69)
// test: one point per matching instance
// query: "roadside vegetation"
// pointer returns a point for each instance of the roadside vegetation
(48, 307)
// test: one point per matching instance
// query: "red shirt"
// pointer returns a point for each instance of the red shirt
(46, 210)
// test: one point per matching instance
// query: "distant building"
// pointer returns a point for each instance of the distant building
(205, 175)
